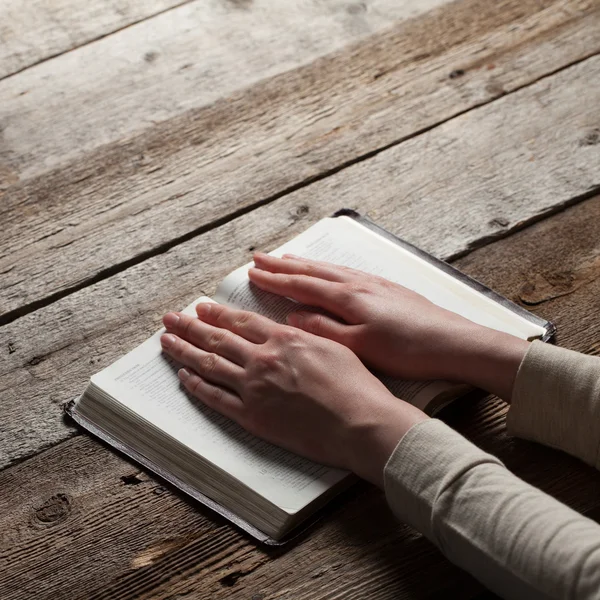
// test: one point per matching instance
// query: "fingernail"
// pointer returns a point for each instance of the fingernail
(167, 340)
(290, 256)
(184, 374)
(170, 320)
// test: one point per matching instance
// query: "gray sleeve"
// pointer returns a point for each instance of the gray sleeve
(556, 401)
(514, 538)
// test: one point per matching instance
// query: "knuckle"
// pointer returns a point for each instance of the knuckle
(346, 294)
(185, 353)
(267, 360)
(286, 280)
(186, 330)
(196, 387)
(286, 335)
(310, 269)
(216, 394)
(216, 339)
(242, 320)
(355, 290)
(220, 314)
(358, 287)
(315, 323)
(209, 362)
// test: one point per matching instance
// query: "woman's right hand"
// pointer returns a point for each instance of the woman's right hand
(390, 327)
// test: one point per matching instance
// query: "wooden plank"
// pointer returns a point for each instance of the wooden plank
(150, 543)
(187, 57)
(448, 190)
(36, 30)
(187, 174)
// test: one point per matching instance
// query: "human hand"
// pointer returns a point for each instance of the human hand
(390, 327)
(305, 393)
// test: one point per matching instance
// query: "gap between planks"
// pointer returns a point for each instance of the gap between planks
(358, 546)
(272, 136)
(10, 316)
(89, 329)
(89, 40)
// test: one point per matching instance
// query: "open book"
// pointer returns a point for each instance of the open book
(138, 405)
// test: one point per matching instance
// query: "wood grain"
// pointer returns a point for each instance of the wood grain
(77, 512)
(36, 30)
(195, 170)
(187, 57)
(448, 190)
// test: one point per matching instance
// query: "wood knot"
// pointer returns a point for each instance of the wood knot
(151, 56)
(591, 138)
(133, 479)
(543, 287)
(53, 511)
(230, 579)
(457, 73)
(302, 210)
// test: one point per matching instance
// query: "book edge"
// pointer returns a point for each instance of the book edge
(70, 409)
(548, 326)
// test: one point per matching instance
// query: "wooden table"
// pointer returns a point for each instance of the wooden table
(147, 148)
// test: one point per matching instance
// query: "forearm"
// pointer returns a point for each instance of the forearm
(556, 401)
(517, 540)
(554, 392)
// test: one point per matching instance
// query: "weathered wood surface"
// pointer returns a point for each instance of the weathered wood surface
(478, 176)
(201, 167)
(147, 542)
(169, 133)
(187, 57)
(36, 30)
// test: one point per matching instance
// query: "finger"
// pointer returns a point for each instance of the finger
(297, 266)
(329, 295)
(250, 326)
(212, 367)
(348, 272)
(322, 326)
(209, 338)
(215, 397)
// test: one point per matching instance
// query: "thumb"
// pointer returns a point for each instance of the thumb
(320, 325)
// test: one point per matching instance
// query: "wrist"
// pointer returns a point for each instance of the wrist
(374, 439)
(490, 360)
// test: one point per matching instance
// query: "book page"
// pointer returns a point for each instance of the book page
(236, 291)
(145, 380)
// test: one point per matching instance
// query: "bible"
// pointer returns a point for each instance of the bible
(138, 405)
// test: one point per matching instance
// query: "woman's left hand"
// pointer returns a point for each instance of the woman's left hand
(305, 393)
